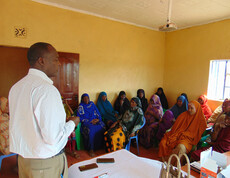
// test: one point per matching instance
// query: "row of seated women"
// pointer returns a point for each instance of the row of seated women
(114, 129)
(93, 126)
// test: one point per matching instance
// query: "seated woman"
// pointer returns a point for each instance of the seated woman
(164, 124)
(224, 107)
(180, 106)
(4, 126)
(106, 109)
(204, 105)
(185, 132)
(220, 138)
(144, 101)
(118, 135)
(153, 114)
(122, 103)
(163, 98)
(92, 127)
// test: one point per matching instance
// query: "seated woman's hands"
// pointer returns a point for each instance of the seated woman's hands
(95, 121)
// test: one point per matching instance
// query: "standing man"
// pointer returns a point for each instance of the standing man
(38, 128)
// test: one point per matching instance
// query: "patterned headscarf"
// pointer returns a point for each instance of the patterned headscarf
(137, 101)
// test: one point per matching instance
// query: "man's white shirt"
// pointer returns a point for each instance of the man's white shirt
(38, 127)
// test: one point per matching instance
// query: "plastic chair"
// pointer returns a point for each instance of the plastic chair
(135, 137)
(5, 156)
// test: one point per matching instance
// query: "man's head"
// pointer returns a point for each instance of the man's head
(44, 57)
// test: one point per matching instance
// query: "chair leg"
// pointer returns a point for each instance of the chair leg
(0, 162)
(128, 145)
(137, 145)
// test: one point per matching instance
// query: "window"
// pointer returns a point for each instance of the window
(219, 80)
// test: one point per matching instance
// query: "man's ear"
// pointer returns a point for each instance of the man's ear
(41, 61)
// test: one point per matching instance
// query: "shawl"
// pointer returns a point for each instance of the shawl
(156, 106)
(164, 101)
(178, 110)
(187, 130)
(205, 108)
(132, 119)
(117, 106)
(87, 112)
(105, 108)
(144, 101)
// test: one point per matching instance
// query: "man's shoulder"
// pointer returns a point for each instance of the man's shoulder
(32, 83)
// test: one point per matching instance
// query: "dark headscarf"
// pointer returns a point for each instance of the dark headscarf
(117, 106)
(144, 101)
(82, 96)
(163, 98)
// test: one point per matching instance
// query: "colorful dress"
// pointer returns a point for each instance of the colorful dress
(4, 127)
(178, 110)
(165, 124)
(92, 133)
(117, 137)
(205, 108)
(106, 109)
(153, 114)
(187, 131)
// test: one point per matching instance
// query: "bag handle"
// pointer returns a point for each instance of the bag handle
(178, 165)
(188, 162)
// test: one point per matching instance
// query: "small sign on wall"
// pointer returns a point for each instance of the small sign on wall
(20, 32)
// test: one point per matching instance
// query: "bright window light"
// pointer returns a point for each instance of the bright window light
(219, 80)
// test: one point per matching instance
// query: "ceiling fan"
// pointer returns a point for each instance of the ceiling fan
(169, 26)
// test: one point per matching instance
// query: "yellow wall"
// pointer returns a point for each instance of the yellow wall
(113, 56)
(188, 53)
(116, 56)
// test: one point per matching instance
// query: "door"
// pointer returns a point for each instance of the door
(68, 78)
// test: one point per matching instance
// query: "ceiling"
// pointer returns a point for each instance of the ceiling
(150, 13)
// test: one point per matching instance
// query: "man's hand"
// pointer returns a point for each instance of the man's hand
(76, 120)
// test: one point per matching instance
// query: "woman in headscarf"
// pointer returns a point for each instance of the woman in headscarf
(163, 98)
(185, 132)
(106, 109)
(204, 105)
(144, 101)
(92, 127)
(180, 106)
(118, 135)
(153, 114)
(165, 123)
(122, 103)
(220, 138)
(4, 126)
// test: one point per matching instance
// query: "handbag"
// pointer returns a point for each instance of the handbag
(168, 171)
